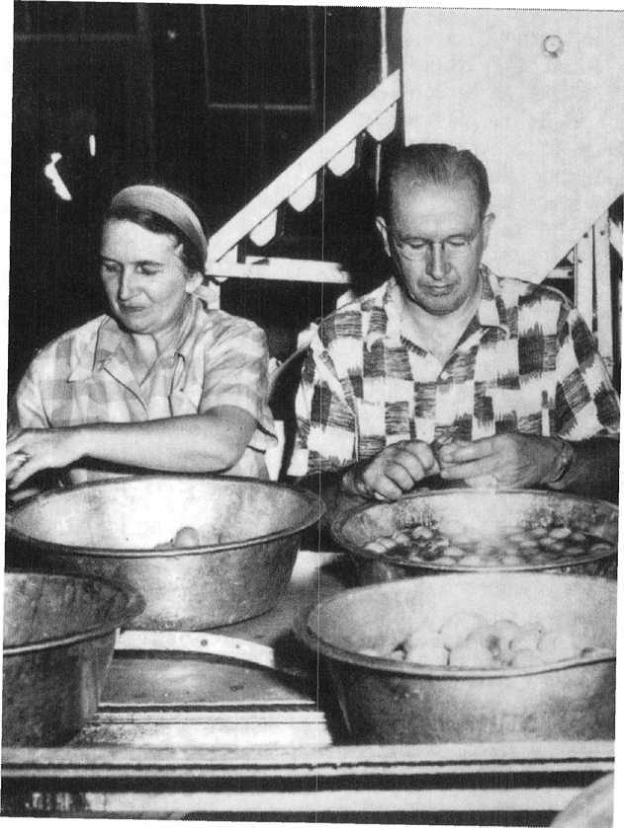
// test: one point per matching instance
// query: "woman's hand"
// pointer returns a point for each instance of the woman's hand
(508, 460)
(392, 472)
(33, 450)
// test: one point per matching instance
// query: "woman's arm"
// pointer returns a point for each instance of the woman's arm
(212, 441)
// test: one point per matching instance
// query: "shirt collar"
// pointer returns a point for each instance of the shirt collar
(185, 342)
(384, 313)
(97, 352)
(492, 311)
(108, 343)
(386, 309)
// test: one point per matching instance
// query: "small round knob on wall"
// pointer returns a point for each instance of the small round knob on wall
(552, 45)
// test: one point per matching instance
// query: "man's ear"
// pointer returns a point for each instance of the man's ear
(382, 229)
(193, 281)
(488, 222)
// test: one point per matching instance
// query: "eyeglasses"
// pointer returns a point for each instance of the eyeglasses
(418, 248)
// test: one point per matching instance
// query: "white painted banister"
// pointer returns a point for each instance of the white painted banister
(284, 270)
(383, 98)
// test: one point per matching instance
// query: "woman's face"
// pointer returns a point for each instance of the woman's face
(144, 277)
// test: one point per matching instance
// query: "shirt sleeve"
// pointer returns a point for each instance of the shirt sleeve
(236, 373)
(586, 404)
(326, 424)
(26, 408)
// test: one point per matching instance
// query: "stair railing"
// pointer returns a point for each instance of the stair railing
(297, 185)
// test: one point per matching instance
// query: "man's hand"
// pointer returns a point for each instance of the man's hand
(392, 472)
(508, 460)
(33, 450)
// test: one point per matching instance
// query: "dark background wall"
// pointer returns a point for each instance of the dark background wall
(213, 100)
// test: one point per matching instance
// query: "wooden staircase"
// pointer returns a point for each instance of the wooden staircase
(589, 263)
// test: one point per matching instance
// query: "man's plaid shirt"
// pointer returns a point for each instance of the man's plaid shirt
(526, 355)
(84, 377)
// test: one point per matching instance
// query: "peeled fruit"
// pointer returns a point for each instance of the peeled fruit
(467, 640)
(423, 638)
(402, 538)
(435, 655)
(460, 543)
(504, 630)
(526, 637)
(488, 636)
(459, 626)
(376, 547)
(472, 654)
(557, 646)
(425, 647)
(484, 634)
(186, 537)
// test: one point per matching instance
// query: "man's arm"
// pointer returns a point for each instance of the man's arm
(584, 456)
(388, 475)
(586, 467)
(593, 469)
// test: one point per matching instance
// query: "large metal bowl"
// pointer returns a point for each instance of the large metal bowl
(59, 636)
(484, 513)
(249, 532)
(386, 701)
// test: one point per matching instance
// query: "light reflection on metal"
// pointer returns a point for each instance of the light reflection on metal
(53, 175)
(92, 145)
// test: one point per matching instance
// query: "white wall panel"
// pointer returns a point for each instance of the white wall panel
(549, 129)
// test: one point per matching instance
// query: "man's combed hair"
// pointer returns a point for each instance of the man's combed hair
(439, 164)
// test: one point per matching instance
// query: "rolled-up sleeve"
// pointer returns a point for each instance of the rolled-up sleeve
(26, 407)
(586, 404)
(236, 374)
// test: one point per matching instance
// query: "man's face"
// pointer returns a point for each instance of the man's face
(436, 238)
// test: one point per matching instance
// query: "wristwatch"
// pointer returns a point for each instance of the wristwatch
(565, 458)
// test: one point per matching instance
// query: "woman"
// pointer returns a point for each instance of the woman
(161, 383)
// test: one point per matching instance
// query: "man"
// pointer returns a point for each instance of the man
(447, 373)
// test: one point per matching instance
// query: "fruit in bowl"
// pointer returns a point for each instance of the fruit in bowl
(470, 641)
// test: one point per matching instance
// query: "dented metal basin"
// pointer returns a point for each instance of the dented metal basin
(387, 701)
(248, 534)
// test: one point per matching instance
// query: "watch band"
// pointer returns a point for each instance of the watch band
(565, 459)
